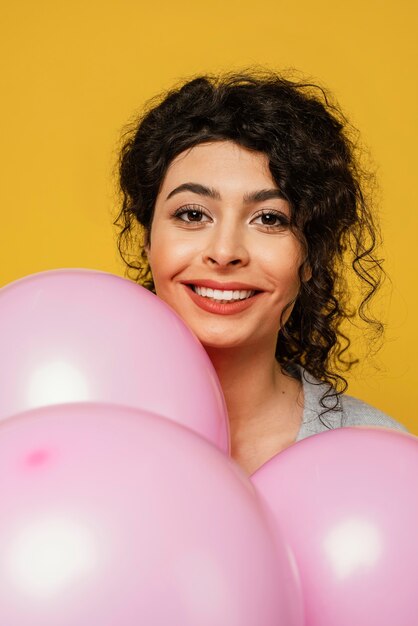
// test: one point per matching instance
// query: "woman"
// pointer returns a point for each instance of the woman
(251, 205)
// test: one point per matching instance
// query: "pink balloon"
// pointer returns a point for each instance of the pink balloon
(76, 335)
(116, 517)
(347, 502)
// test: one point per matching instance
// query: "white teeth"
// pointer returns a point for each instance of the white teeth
(218, 294)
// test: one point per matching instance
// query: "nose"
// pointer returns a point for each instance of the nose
(226, 246)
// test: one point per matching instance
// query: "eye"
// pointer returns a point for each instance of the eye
(272, 219)
(189, 214)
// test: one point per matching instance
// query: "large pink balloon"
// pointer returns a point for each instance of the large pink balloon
(347, 502)
(82, 335)
(115, 517)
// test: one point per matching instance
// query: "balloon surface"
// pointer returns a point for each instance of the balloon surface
(112, 516)
(347, 502)
(85, 336)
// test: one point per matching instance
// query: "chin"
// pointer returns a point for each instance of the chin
(219, 342)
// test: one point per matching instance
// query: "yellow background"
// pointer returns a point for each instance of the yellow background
(74, 73)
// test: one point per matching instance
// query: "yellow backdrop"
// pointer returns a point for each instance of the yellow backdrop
(73, 73)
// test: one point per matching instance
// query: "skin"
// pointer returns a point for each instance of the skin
(226, 239)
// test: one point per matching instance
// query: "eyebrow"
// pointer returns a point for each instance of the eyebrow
(201, 190)
(255, 196)
(263, 194)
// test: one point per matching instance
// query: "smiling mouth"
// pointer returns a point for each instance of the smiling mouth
(223, 296)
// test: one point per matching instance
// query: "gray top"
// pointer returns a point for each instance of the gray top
(349, 411)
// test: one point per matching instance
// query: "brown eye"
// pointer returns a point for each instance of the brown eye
(269, 219)
(272, 219)
(189, 215)
(193, 215)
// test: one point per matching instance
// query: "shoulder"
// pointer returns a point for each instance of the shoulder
(359, 413)
(343, 410)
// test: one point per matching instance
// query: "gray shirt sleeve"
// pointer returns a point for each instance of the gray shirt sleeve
(358, 413)
(349, 411)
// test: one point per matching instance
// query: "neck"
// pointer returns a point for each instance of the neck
(260, 399)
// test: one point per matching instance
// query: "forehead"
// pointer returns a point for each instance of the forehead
(219, 163)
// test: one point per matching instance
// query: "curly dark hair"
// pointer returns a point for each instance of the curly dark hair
(315, 160)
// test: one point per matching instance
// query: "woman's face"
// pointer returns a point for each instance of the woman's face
(220, 217)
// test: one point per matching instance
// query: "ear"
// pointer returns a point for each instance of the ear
(306, 273)
(147, 243)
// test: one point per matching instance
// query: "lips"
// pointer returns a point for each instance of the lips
(218, 308)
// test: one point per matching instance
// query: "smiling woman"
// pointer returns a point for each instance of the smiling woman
(251, 205)
(220, 237)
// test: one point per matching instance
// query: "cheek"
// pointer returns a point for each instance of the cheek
(160, 263)
(284, 271)
(168, 256)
